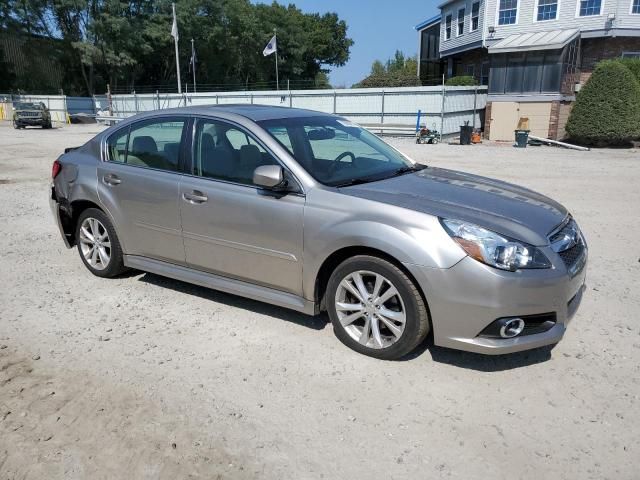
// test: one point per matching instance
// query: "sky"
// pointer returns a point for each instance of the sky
(377, 27)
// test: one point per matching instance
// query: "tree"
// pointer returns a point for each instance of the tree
(127, 42)
(607, 109)
(461, 81)
(397, 72)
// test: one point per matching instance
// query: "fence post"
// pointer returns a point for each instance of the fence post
(67, 117)
(475, 99)
(335, 101)
(290, 99)
(135, 101)
(382, 112)
(444, 93)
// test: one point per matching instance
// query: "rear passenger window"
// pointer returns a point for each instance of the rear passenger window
(224, 152)
(153, 144)
(117, 146)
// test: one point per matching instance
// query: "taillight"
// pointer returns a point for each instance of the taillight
(55, 169)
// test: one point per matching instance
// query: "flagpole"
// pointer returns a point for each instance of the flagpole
(175, 38)
(193, 65)
(275, 34)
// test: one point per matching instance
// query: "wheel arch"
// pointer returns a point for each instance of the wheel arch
(340, 255)
(72, 214)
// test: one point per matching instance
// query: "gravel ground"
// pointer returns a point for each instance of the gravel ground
(146, 377)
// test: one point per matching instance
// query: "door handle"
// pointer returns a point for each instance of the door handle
(111, 179)
(195, 197)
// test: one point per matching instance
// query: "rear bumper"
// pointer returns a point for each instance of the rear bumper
(57, 215)
(464, 299)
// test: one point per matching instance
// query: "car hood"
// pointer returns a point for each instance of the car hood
(502, 207)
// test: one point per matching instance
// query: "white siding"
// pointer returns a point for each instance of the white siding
(467, 37)
(567, 18)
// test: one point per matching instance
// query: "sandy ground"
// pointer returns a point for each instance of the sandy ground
(145, 377)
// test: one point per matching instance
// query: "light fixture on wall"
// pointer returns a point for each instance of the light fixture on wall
(492, 30)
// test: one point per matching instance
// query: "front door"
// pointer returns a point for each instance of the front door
(231, 227)
(139, 185)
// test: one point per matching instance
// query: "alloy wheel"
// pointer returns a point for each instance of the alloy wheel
(95, 243)
(370, 309)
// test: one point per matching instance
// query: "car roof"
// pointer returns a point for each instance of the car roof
(255, 113)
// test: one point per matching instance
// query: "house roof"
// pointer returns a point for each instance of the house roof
(429, 21)
(524, 42)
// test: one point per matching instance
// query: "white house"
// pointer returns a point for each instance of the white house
(533, 54)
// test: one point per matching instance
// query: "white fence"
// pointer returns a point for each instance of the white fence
(367, 106)
(442, 108)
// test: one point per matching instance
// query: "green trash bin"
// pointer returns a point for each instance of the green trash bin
(522, 137)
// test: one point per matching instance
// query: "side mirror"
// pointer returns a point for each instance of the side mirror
(269, 176)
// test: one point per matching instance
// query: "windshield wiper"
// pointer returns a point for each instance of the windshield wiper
(353, 181)
(409, 168)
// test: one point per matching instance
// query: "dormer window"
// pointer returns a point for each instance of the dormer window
(461, 12)
(547, 10)
(588, 8)
(507, 12)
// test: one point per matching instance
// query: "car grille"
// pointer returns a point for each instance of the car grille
(29, 114)
(569, 244)
(571, 256)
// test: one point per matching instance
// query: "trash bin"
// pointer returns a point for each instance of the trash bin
(465, 134)
(522, 137)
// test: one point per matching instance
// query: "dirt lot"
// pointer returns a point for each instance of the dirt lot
(145, 377)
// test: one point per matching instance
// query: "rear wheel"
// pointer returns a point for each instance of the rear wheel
(98, 244)
(375, 308)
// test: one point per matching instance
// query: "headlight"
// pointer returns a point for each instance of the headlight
(493, 249)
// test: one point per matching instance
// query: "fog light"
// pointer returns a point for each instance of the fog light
(512, 327)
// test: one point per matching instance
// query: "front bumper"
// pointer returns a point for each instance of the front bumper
(464, 299)
(30, 121)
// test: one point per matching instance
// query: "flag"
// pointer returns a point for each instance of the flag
(271, 47)
(194, 59)
(174, 27)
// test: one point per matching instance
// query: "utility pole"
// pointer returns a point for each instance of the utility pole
(193, 64)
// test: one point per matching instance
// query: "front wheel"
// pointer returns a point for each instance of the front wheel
(98, 244)
(375, 308)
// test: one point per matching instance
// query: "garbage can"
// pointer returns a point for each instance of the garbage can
(465, 134)
(522, 137)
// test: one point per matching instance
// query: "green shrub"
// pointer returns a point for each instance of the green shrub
(632, 64)
(461, 81)
(607, 109)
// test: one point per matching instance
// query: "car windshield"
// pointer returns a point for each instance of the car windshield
(337, 152)
(27, 106)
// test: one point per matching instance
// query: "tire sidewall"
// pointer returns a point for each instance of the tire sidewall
(115, 266)
(408, 341)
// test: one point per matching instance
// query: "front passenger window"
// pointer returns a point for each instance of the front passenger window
(224, 152)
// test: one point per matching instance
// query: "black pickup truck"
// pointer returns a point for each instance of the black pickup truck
(31, 114)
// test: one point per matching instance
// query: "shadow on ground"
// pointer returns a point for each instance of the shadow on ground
(317, 323)
(457, 358)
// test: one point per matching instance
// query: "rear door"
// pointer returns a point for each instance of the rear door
(230, 226)
(139, 185)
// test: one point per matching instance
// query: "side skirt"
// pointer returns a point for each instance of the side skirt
(224, 284)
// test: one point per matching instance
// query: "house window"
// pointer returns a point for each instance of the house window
(635, 7)
(447, 27)
(630, 54)
(475, 15)
(590, 7)
(461, 13)
(508, 12)
(470, 70)
(548, 10)
(484, 74)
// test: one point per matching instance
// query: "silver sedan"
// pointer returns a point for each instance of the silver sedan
(311, 212)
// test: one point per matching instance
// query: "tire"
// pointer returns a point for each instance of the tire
(401, 321)
(90, 221)
(15, 125)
